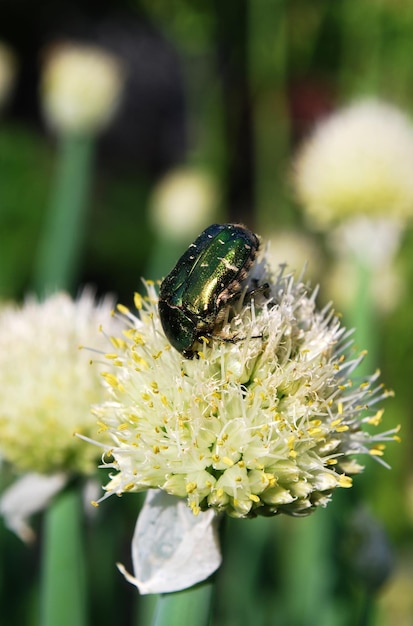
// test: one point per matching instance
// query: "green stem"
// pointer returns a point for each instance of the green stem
(166, 251)
(363, 319)
(308, 541)
(268, 65)
(60, 245)
(185, 608)
(361, 35)
(367, 605)
(63, 598)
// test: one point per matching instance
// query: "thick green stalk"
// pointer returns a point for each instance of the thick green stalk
(362, 318)
(307, 565)
(166, 251)
(60, 245)
(267, 65)
(63, 599)
(361, 65)
(185, 608)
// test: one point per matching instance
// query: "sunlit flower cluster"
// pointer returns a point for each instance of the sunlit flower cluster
(266, 420)
(48, 383)
(358, 161)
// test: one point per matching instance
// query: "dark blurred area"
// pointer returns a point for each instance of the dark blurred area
(148, 135)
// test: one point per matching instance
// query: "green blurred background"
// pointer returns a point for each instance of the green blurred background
(232, 88)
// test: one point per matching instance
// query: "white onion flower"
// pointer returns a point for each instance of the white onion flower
(269, 418)
(48, 386)
(268, 421)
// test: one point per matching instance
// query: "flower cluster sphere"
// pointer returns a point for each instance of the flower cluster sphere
(266, 419)
(358, 161)
(81, 88)
(48, 384)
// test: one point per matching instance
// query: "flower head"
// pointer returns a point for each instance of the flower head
(266, 420)
(48, 383)
(359, 160)
(81, 88)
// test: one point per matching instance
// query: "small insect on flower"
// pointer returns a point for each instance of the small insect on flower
(208, 276)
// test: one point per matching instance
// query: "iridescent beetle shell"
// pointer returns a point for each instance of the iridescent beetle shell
(206, 277)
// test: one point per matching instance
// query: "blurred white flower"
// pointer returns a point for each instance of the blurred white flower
(48, 385)
(386, 286)
(358, 161)
(81, 88)
(183, 202)
(296, 249)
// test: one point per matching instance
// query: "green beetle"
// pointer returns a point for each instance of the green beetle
(208, 275)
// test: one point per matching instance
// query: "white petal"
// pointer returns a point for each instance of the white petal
(172, 548)
(28, 495)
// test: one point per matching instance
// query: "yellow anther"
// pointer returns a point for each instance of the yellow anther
(138, 300)
(110, 379)
(345, 481)
(122, 309)
(342, 429)
(375, 420)
(195, 508)
(118, 343)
